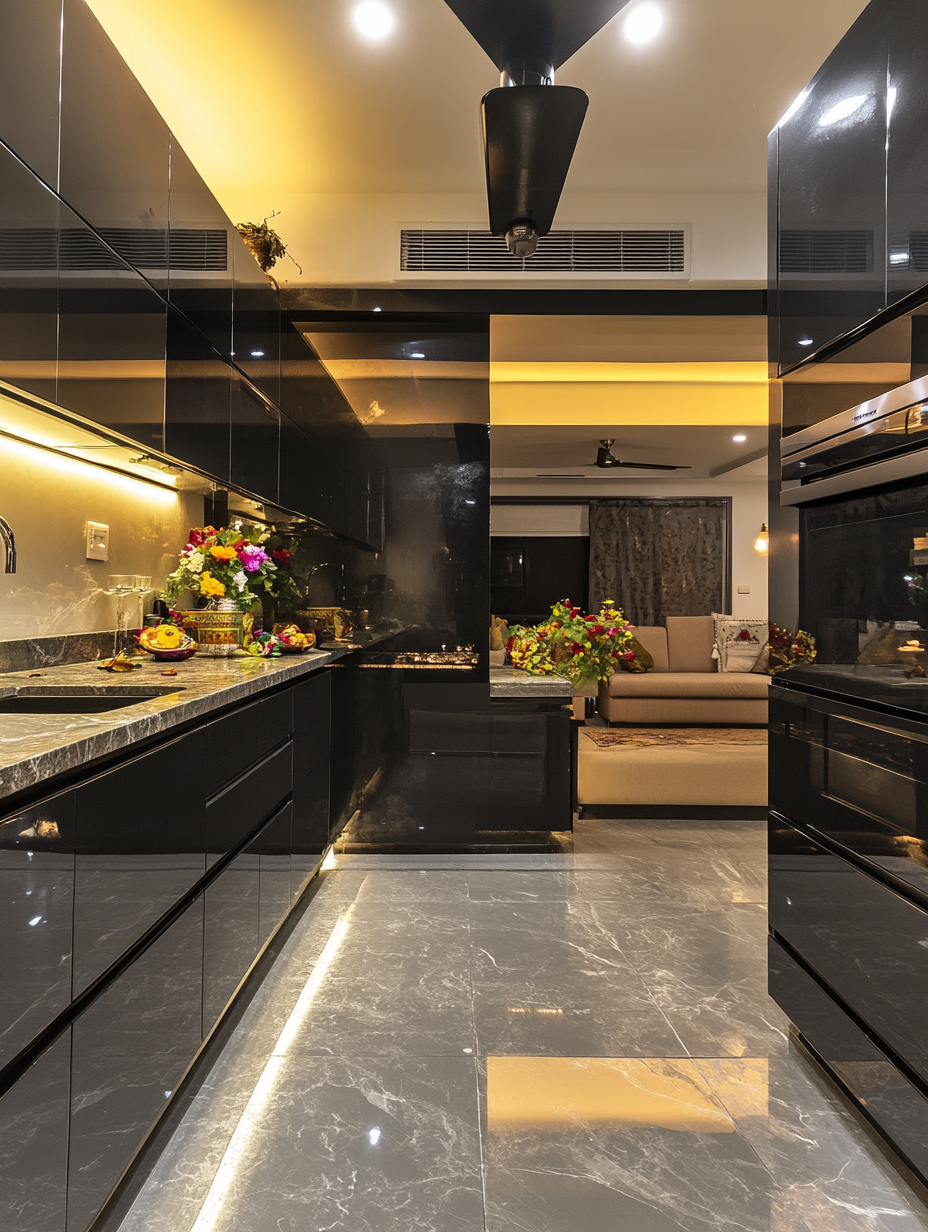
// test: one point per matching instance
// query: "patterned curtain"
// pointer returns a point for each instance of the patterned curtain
(659, 558)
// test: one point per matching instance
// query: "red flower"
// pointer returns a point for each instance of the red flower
(629, 655)
(744, 636)
(613, 632)
(281, 555)
(598, 630)
(576, 648)
(199, 537)
(510, 642)
(591, 620)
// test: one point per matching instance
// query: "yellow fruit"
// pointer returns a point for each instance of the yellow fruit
(168, 637)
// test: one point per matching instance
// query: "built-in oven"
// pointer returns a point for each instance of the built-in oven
(882, 440)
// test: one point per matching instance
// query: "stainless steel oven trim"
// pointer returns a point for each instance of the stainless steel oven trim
(868, 429)
(863, 414)
(905, 466)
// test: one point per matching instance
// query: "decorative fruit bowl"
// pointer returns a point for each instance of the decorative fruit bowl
(291, 640)
(166, 643)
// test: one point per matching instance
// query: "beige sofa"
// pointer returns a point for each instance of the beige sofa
(684, 686)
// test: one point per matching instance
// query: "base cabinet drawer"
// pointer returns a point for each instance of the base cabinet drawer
(898, 1107)
(36, 915)
(34, 1117)
(237, 812)
(130, 1048)
(863, 940)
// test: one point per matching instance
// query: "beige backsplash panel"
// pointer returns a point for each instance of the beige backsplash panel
(47, 500)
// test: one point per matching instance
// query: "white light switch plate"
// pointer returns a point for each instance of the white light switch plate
(97, 536)
(744, 590)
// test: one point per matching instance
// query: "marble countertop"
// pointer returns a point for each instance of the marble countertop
(510, 682)
(36, 747)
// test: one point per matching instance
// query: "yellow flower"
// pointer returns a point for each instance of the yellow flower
(210, 586)
(222, 553)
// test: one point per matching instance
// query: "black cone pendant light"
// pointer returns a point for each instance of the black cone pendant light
(530, 125)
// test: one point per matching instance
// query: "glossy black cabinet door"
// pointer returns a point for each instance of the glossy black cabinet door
(310, 823)
(832, 186)
(29, 222)
(242, 738)
(111, 337)
(863, 939)
(200, 237)
(235, 814)
(255, 441)
(907, 150)
(312, 701)
(243, 907)
(34, 1144)
(256, 322)
(115, 146)
(197, 411)
(231, 940)
(141, 844)
(130, 1049)
(36, 909)
(30, 65)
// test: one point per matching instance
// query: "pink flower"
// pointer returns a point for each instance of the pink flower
(252, 557)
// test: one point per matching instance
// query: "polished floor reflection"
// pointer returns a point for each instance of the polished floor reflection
(533, 1043)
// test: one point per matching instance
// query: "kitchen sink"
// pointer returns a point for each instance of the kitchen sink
(38, 700)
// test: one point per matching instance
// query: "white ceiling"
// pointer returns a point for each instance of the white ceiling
(284, 98)
(526, 452)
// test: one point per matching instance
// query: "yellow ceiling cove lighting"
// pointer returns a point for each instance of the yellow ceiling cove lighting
(552, 1092)
(762, 542)
(750, 372)
(618, 403)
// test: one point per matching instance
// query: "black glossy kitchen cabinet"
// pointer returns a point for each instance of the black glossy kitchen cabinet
(128, 296)
(135, 902)
(36, 917)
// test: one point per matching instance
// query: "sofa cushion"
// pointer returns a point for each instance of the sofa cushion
(690, 641)
(654, 639)
(689, 684)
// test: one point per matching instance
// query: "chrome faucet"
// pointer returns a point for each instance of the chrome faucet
(9, 546)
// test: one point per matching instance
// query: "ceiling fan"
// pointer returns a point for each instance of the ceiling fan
(606, 460)
(530, 125)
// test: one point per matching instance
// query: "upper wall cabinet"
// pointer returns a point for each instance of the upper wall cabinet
(115, 146)
(30, 57)
(198, 392)
(29, 226)
(111, 337)
(200, 246)
(907, 150)
(832, 194)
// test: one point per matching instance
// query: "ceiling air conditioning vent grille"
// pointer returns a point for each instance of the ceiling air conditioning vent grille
(826, 252)
(79, 248)
(620, 252)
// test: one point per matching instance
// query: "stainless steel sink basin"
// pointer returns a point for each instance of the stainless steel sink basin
(59, 700)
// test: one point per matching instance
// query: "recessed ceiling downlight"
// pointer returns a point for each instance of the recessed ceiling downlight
(841, 111)
(643, 23)
(373, 20)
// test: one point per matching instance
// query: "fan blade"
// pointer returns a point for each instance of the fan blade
(530, 133)
(652, 466)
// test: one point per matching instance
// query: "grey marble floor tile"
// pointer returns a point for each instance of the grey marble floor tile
(549, 886)
(545, 1026)
(384, 1004)
(827, 1172)
(394, 885)
(310, 1143)
(609, 1146)
(365, 1146)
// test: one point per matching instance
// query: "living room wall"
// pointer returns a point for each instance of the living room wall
(749, 510)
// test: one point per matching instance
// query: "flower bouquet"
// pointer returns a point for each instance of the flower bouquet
(580, 648)
(228, 564)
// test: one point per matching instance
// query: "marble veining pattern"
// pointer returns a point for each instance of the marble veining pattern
(525, 1044)
(36, 747)
(510, 682)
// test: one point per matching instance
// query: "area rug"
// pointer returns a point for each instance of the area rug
(663, 737)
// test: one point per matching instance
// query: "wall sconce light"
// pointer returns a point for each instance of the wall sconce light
(762, 542)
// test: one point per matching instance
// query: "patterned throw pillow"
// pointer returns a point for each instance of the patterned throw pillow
(738, 642)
